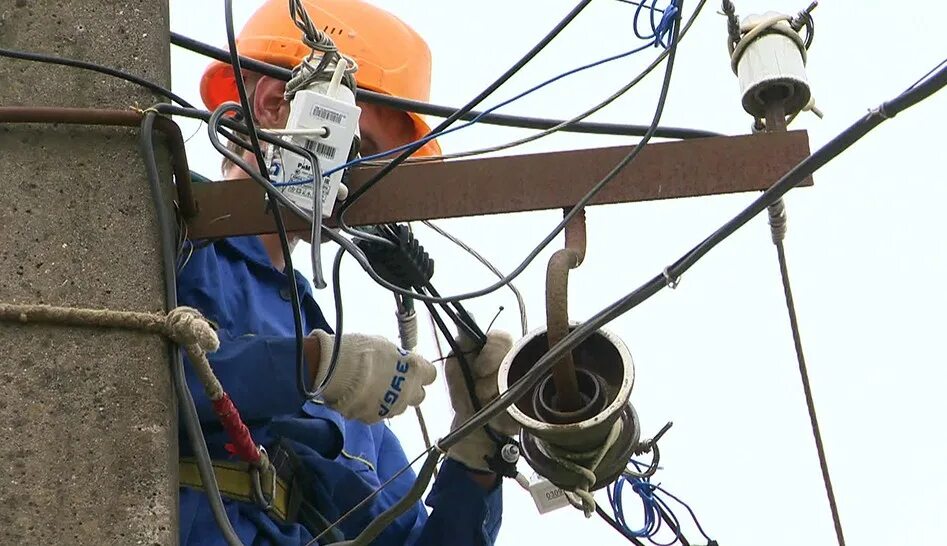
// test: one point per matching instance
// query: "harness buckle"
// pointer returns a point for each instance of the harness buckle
(263, 478)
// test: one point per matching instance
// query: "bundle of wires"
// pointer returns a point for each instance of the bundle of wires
(660, 31)
(655, 509)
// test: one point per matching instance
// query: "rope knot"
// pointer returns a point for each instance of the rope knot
(187, 326)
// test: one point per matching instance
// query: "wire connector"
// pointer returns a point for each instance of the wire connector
(404, 262)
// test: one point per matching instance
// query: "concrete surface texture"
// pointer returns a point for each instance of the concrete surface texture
(87, 416)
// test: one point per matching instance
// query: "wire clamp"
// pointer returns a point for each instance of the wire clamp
(880, 111)
(671, 282)
(504, 459)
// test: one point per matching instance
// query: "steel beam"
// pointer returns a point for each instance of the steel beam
(691, 168)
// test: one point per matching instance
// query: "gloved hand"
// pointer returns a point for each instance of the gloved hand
(472, 449)
(373, 378)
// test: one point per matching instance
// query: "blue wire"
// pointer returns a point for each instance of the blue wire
(660, 30)
(652, 504)
(689, 509)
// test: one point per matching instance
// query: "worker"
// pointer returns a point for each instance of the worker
(333, 452)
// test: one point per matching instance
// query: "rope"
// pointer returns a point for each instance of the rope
(183, 325)
(777, 213)
(581, 496)
(752, 32)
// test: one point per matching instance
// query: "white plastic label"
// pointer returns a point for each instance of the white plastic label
(313, 110)
(547, 496)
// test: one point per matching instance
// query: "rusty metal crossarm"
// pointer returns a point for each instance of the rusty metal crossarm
(474, 187)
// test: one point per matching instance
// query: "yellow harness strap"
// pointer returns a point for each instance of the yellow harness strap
(235, 482)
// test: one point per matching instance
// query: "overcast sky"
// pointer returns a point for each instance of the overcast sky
(865, 247)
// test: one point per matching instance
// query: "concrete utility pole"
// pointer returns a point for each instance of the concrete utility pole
(87, 417)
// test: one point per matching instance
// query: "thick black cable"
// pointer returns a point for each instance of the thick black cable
(301, 379)
(542, 366)
(192, 424)
(490, 89)
(807, 389)
(614, 525)
(549, 237)
(465, 369)
(85, 65)
(794, 177)
(408, 105)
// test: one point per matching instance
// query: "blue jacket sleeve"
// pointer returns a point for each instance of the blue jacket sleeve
(258, 372)
(463, 512)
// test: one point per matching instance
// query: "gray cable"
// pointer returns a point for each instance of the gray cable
(777, 217)
(192, 424)
(516, 293)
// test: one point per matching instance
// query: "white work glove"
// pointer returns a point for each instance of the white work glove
(373, 379)
(472, 449)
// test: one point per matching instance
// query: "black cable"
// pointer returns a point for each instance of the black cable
(549, 237)
(794, 177)
(301, 379)
(465, 370)
(85, 65)
(614, 525)
(435, 110)
(377, 177)
(807, 390)
(214, 123)
(489, 90)
(542, 366)
(186, 405)
(671, 520)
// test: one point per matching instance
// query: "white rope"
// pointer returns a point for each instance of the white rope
(581, 496)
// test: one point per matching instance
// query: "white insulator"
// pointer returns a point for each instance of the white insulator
(772, 57)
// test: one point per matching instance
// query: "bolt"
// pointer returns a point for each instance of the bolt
(510, 453)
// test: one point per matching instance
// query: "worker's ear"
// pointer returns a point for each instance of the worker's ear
(270, 108)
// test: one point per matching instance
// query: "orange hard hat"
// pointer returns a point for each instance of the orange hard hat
(392, 58)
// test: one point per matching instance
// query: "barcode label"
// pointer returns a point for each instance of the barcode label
(321, 148)
(303, 190)
(328, 115)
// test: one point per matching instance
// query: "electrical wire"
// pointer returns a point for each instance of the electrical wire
(807, 390)
(247, 110)
(670, 274)
(658, 32)
(399, 103)
(85, 65)
(530, 257)
(615, 525)
(564, 126)
(214, 123)
(483, 416)
(652, 131)
(655, 509)
(186, 404)
(479, 257)
(377, 177)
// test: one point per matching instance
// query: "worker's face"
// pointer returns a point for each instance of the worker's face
(381, 128)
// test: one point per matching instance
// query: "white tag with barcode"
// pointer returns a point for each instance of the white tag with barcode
(547, 496)
(315, 110)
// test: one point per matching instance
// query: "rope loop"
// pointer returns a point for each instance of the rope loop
(187, 326)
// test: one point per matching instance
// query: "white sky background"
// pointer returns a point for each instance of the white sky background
(865, 247)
